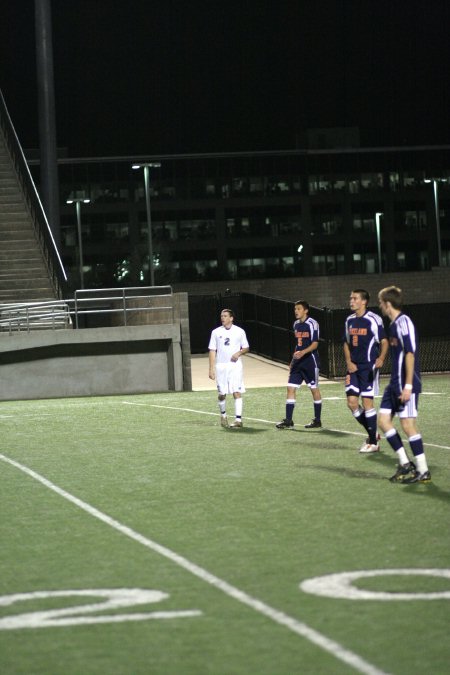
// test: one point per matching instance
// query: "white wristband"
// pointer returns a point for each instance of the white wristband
(408, 386)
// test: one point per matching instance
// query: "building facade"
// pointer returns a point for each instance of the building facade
(255, 215)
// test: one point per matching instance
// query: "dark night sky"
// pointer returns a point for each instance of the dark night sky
(175, 76)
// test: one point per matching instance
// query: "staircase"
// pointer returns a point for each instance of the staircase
(28, 271)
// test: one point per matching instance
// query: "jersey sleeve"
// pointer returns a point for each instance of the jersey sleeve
(244, 341)
(345, 334)
(381, 331)
(314, 330)
(212, 342)
(408, 335)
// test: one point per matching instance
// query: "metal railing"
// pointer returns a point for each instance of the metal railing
(131, 300)
(132, 305)
(26, 317)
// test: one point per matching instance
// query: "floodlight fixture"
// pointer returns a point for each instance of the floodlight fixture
(78, 201)
(436, 182)
(378, 216)
(147, 166)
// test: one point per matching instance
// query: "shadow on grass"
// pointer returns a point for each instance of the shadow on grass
(430, 490)
(425, 490)
(343, 471)
(313, 432)
(327, 432)
(244, 430)
(321, 432)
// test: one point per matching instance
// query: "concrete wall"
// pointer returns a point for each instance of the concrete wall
(87, 362)
(333, 291)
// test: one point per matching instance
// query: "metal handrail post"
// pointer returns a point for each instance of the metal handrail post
(75, 306)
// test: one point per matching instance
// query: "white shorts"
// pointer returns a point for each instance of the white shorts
(230, 377)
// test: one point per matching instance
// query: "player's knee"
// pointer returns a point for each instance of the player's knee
(352, 403)
(409, 426)
(367, 403)
(384, 422)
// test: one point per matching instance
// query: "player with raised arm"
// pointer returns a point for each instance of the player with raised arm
(304, 366)
(226, 345)
(401, 396)
(365, 349)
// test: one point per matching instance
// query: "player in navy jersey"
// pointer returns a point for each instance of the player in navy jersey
(401, 396)
(365, 349)
(304, 366)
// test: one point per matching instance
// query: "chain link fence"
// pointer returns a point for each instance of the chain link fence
(268, 323)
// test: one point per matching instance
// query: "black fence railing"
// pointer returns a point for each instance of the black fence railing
(268, 323)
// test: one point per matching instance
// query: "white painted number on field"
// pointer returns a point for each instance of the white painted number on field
(340, 585)
(113, 598)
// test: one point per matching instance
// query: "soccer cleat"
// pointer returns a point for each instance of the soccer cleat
(224, 421)
(424, 477)
(285, 424)
(314, 424)
(403, 471)
(367, 448)
(237, 424)
(368, 439)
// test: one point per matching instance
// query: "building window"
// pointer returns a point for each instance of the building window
(326, 222)
(257, 185)
(210, 188)
(445, 258)
(412, 179)
(365, 263)
(328, 264)
(364, 222)
(339, 184)
(394, 181)
(411, 258)
(372, 181)
(353, 185)
(317, 184)
(413, 220)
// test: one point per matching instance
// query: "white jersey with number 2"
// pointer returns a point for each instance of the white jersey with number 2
(226, 342)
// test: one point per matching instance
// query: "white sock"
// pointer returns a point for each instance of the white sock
(238, 402)
(421, 463)
(402, 456)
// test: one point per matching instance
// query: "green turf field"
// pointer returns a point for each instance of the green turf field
(149, 492)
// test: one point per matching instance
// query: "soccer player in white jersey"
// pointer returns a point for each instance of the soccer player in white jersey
(401, 396)
(226, 346)
(365, 349)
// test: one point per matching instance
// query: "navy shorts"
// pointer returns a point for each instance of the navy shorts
(364, 382)
(391, 404)
(304, 371)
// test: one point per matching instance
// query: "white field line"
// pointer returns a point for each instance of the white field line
(257, 419)
(36, 414)
(298, 627)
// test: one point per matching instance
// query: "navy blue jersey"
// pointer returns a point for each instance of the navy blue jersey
(403, 339)
(363, 334)
(306, 332)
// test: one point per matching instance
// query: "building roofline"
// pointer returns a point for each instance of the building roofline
(248, 153)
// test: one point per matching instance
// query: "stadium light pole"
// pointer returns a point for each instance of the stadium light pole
(378, 230)
(147, 166)
(78, 201)
(436, 182)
